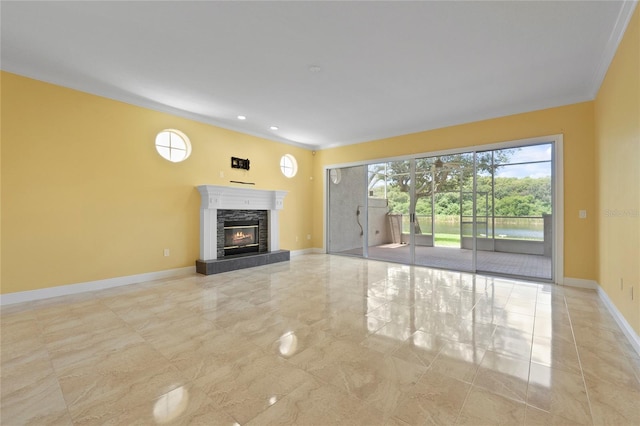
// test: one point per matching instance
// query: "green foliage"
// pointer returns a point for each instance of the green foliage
(513, 197)
(450, 178)
(398, 201)
(423, 206)
(448, 203)
(448, 240)
(515, 205)
(523, 196)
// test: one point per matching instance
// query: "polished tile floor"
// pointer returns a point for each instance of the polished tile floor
(320, 340)
(491, 262)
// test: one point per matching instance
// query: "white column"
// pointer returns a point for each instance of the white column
(208, 234)
(274, 231)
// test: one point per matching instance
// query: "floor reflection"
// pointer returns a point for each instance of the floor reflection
(288, 344)
(320, 340)
(171, 405)
(486, 313)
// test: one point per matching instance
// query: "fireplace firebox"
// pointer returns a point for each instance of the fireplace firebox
(241, 237)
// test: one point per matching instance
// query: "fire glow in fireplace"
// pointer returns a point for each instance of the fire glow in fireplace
(240, 237)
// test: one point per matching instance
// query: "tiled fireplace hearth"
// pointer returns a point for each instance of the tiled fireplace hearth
(243, 208)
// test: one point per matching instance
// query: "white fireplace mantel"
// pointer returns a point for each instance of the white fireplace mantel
(216, 198)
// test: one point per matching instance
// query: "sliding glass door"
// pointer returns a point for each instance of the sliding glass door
(514, 197)
(390, 207)
(443, 196)
(347, 208)
(484, 211)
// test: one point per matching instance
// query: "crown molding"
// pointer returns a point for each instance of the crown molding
(617, 33)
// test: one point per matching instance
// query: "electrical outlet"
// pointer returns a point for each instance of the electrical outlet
(297, 238)
(582, 214)
(166, 252)
(308, 236)
(221, 174)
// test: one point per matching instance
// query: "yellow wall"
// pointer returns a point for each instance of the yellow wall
(1, 182)
(618, 164)
(575, 122)
(85, 195)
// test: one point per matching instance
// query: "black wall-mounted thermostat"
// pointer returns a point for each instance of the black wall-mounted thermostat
(239, 163)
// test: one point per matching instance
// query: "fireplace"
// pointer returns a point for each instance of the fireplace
(255, 212)
(241, 237)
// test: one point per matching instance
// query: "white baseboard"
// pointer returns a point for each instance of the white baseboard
(294, 253)
(580, 283)
(307, 251)
(65, 290)
(628, 331)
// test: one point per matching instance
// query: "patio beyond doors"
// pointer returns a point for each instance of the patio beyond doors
(488, 211)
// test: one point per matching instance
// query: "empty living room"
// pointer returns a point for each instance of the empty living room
(320, 213)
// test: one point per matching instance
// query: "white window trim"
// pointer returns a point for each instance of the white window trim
(185, 139)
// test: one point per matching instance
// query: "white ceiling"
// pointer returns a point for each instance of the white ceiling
(386, 68)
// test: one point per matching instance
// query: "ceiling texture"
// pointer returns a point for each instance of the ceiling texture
(325, 73)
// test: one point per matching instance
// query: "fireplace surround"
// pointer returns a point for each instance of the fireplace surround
(222, 204)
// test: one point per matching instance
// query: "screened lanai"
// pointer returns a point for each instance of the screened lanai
(486, 211)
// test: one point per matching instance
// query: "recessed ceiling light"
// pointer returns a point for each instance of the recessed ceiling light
(242, 117)
(274, 127)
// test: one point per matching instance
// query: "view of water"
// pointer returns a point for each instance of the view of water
(520, 228)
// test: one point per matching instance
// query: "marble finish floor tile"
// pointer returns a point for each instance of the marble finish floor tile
(503, 375)
(436, 399)
(536, 417)
(320, 340)
(483, 407)
(558, 392)
(459, 360)
(316, 403)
